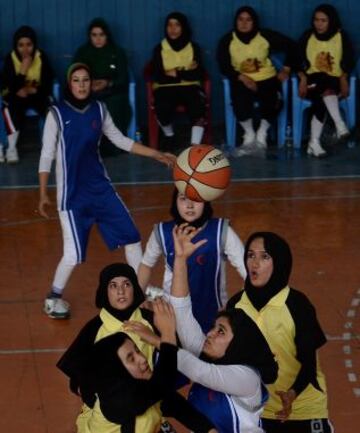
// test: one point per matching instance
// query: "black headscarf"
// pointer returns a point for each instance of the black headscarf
(334, 21)
(280, 253)
(180, 42)
(246, 37)
(24, 32)
(106, 275)
(248, 346)
(102, 24)
(205, 216)
(105, 363)
(68, 95)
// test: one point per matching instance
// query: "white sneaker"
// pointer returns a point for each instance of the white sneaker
(315, 149)
(56, 308)
(2, 156)
(12, 156)
(342, 130)
(249, 140)
(153, 292)
(261, 141)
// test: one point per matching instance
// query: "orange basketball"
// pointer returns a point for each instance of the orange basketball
(202, 172)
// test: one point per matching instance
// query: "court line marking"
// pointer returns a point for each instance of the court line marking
(61, 350)
(235, 180)
(221, 202)
(347, 336)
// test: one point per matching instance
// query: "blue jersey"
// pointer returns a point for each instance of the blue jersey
(205, 268)
(80, 173)
(228, 413)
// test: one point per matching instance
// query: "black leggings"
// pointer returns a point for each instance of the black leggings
(306, 426)
(268, 95)
(321, 82)
(168, 98)
(15, 109)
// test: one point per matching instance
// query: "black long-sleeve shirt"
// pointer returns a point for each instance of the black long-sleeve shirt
(347, 61)
(158, 71)
(13, 82)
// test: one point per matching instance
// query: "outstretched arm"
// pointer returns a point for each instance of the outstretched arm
(184, 247)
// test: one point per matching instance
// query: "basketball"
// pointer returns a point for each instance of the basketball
(202, 172)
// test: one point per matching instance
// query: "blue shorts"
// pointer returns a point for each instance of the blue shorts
(110, 215)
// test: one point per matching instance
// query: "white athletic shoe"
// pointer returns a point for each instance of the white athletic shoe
(153, 292)
(342, 130)
(315, 149)
(261, 140)
(12, 156)
(2, 155)
(56, 308)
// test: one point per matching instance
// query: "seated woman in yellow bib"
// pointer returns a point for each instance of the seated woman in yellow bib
(27, 80)
(326, 59)
(244, 58)
(178, 72)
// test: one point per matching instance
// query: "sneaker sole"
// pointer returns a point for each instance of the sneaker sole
(57, 315)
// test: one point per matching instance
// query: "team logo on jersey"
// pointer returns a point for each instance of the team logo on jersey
(200, 259)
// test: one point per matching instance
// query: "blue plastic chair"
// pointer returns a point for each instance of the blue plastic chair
(300, 105)
(230, 119)
(3, 134)
(131, 132)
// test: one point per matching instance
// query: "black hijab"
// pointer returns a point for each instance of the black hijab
(106, 275)
(24, 32)
(180, 42)
(102, 24)
(248, 346)
(68, 95)
(334, 22)
(105, 363)
(246, 37)
(280, 253)
(205, 216)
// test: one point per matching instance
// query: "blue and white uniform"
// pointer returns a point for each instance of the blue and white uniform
(231, 396)
(85, 195)
(206, 267)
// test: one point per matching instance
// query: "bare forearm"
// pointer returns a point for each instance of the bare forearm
(144, 275)
(140, 149)
(43, 182)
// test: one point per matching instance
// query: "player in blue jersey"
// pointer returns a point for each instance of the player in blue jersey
(206, 266)
(229, 364)
(85, 195)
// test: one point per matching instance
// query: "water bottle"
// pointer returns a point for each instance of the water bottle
(138, 137)
(288, 137)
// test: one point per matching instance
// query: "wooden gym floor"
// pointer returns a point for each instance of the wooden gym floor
(320, 219)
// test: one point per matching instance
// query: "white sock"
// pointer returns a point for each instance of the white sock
(316, 128)
(133, 255)
(167, 130)
(62, 275)
(248, 126)
(263, 128)
(12, 140)
(332, 105)
(196, 134)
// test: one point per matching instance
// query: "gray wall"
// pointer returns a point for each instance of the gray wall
(138, 25)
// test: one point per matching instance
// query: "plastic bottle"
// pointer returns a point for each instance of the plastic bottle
(138, 137)
(288, 137)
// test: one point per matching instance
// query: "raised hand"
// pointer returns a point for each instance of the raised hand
(183, 236)
(165, 320)
(143, 331)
